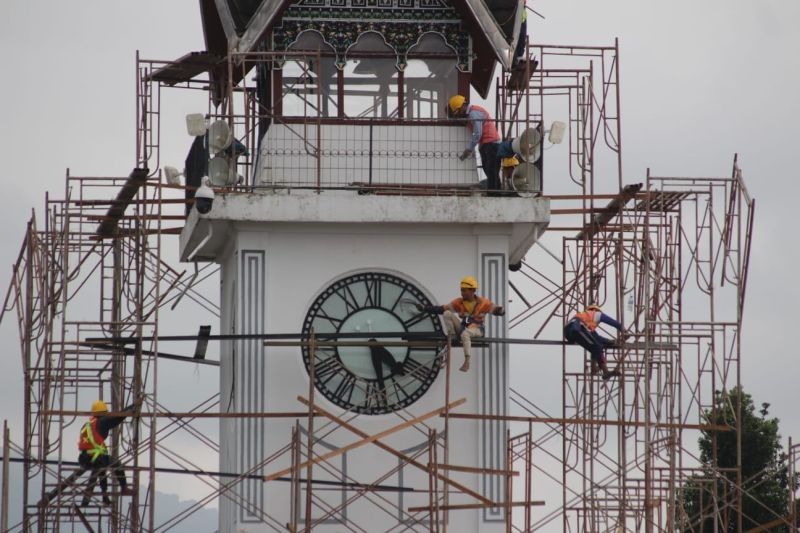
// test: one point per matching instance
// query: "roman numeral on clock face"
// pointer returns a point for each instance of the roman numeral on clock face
(326, 369)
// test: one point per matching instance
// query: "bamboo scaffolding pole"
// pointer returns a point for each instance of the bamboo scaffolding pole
(409, 460)
(366, 440)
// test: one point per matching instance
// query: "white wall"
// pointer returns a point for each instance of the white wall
(300, 260)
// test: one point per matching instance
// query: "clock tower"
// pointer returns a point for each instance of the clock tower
(357, 212)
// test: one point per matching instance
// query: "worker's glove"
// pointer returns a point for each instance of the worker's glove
(434, 309)
(465, 154)
(499, 311)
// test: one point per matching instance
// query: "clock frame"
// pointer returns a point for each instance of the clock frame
(372, 379)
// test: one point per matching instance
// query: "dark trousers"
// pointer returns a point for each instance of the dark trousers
(491, 165)
(576, 333)
(98, 469)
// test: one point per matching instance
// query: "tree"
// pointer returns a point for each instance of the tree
(764, 475)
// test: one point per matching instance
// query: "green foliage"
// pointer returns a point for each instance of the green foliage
(764, 470)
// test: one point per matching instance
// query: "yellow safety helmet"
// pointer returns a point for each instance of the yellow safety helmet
(99, 407)
(593, 307)
(456, 102)
(469, 282)
(509, 162)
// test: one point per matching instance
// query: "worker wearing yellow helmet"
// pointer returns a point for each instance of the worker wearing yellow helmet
(507, 166)
(465, 316)
(582, 330)
(94, 454)
(483, 134)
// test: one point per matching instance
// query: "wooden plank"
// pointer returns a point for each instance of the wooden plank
(595, 421)
(405, 458)
(226, 19)
(468, 506)
(475, 470)
(366, 440)
(260, 23)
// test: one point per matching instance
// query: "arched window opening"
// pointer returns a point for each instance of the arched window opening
(430, 78)
(370, 79)
(309, 83)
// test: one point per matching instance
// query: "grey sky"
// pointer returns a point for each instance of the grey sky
(699, 82)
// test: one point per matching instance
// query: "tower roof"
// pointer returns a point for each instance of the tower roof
(241, 25)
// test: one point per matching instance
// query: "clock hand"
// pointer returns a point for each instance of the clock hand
(381, 356)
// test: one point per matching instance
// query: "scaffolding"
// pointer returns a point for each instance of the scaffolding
(668, 257)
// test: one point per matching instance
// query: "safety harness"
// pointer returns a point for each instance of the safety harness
(89, 444)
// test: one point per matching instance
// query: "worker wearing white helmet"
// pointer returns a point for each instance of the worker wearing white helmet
(465, 316)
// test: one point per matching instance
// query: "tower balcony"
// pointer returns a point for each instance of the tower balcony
(421, 154)
(206, 237)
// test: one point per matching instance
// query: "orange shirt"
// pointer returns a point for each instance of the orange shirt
(474, 310)
(590, 319)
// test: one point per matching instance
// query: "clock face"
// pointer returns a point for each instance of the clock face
(372, 379)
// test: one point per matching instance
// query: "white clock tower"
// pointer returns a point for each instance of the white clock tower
(359, 211)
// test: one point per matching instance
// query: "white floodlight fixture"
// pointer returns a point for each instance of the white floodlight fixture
(196, 124)
(556, 132)
(527, 145)
(172, 175)
(220, 136)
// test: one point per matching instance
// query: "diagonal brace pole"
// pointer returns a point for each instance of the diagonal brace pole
(366, 438)
(403, 457)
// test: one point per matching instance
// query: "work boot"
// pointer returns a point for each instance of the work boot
(106, 500)
(465, 366)
(610, 374)
(85, 501)
(126, 491)
(595, 368)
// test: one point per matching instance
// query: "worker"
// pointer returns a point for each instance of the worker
(507, 166)
(582, 330)
(465, 316)
(94, 454)
(483, 134)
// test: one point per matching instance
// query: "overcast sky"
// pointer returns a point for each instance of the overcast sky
(700, 81)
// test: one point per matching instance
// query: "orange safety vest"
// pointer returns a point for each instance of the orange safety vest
(91, 440)
(482, 306)
(489, 132)
(590, 319)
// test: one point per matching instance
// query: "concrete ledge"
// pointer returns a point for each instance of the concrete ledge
(204, 236)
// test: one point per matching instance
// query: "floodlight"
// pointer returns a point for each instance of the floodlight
(557, 132)
(196, 124)
(172, 175)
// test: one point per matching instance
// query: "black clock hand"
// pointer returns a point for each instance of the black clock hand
(381, 356)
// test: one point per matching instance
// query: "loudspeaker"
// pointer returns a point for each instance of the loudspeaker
(528, 144)
(527, 179)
